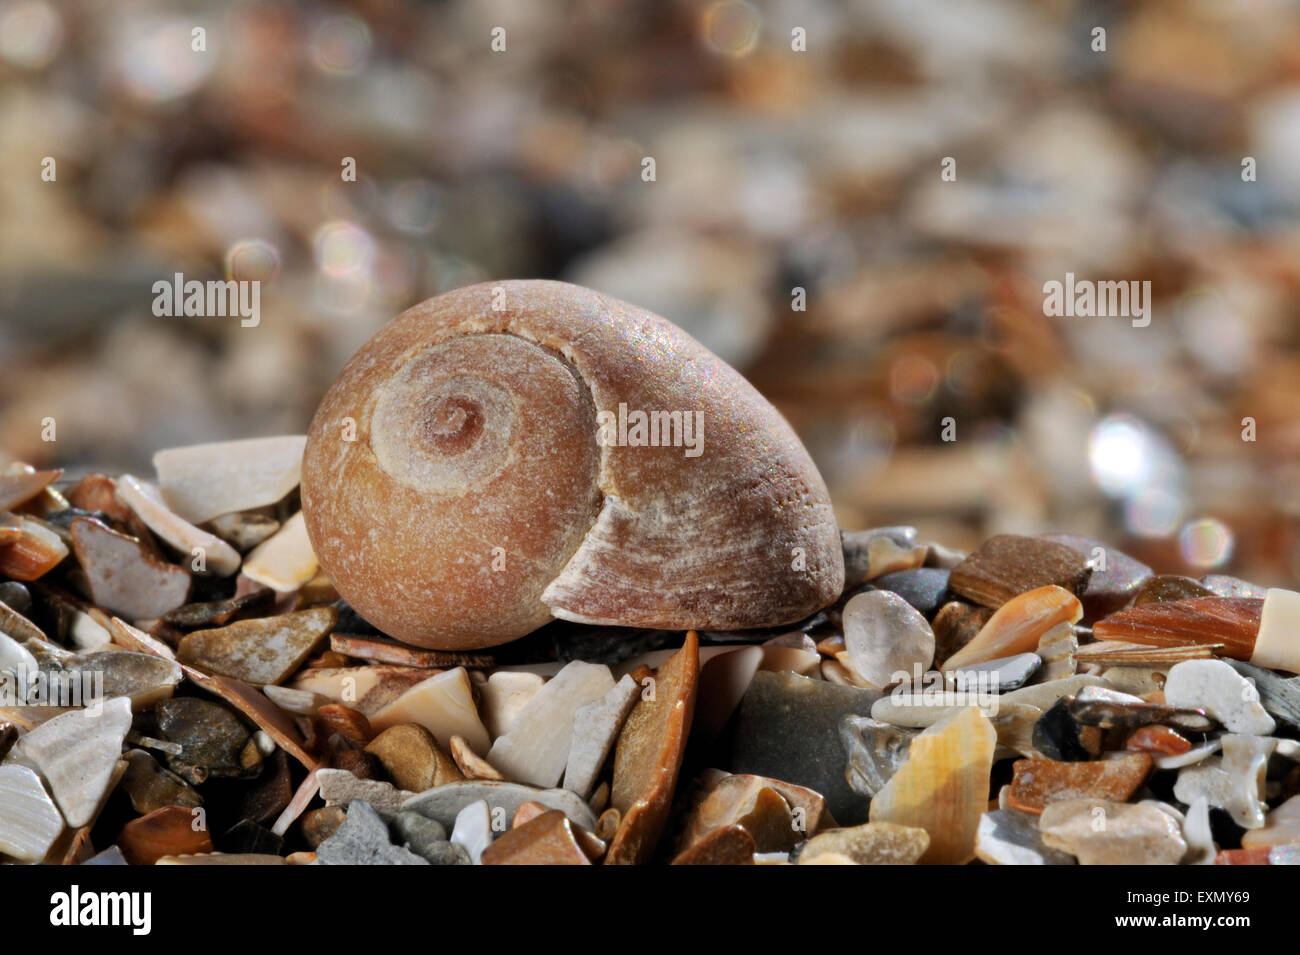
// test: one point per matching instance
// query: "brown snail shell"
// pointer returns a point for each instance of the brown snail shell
(457, 491)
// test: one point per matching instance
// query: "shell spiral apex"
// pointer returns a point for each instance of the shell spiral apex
(511, 452)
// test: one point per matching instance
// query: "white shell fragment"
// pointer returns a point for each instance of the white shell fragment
(1233, 782)
(1277, 644)
(1222, 692)
(29, 821)
(444, 705)
(473, 830)
(76, 753)
(537, 746)
(502, 695)
(204, 481)
(146, 500)
(595, 727)
(285, 561)
(885, 635)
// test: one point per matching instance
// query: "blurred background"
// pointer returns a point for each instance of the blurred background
(775, 170)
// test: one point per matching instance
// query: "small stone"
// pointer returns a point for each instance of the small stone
(1163, 740)
(1011, 837)
(537, 746)
(1223, 585)
(1116, 577)
(1018, 624)
(956, 625)
(1196, 830)
(425, 837)
(348, 723)
(1039, 782)
(1056, 648)
(169, 831)
(1058, 735)
(875, 843)
(142, 677)
(261, 651)
(146, 501)
(1222, 692)
(77, 754)
(885, 635)
(728, 845)
(504, 694)
(285, 561)
(150, 786)
(549, 839)
(471, 765)
(256, 706)
(875, 752)
(1098, 832)
(443, 704)
(943, 786)
(1233, 782)
(1169, 588)
(882, 550)
(649, 754)
(1008, 565)
(1128, 714)
(412, 758)
(596, 726)
(1232, 622)
(217, 613)
(1281, 826)
(923, 587)
(214, 744)
(788, 728)
(445, 802)
(29, 820)
(338, 787)
(203, 481)
(472, 830)
(319, 824)
(123, 575)
(245, 529)
(362, 839)
(748, 801)
(997, 676)
(1280, 696)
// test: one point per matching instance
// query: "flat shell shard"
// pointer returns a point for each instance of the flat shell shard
(1007, 565)
(147, 502)
(29, 820)
(1277, 645)
(19, 484)
(123, 576)
(885, 635)
(444, 705)
(444, 803)
(537, 747)
(596, 726)
(204, 481)
(77, 753)
(1118, 653)
(1018, 625)
(1231, 621)
(649, 755)
(28, 548)
(285, 561)
(943, 786)
(266, 650)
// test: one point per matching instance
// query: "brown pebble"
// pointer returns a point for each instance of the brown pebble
(607, 824)
(412, 758)
(1009, 564)
(527, 812)
(956, 625)
(1157, 739)
(1039, 782)
(265, 650)
(727, 845)
(549, 839)
(1167, 588)
(168, 831)
(319, 824)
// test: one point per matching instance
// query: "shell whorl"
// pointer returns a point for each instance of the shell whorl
(476, 501)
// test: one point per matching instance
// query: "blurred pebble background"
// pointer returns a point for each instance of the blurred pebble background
(775, 170)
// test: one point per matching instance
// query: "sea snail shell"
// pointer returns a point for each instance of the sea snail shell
(461, 485)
